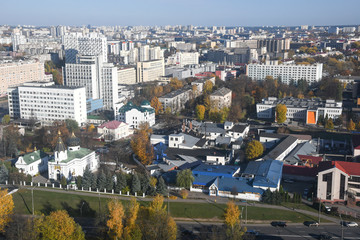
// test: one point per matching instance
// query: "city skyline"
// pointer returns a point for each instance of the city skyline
(198, 12)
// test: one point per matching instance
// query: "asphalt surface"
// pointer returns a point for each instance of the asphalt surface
(266, 231)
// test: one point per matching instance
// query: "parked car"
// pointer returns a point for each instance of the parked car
(327, 209)
(252, 232)
(278, 224)
(311, 224)
(288, 181)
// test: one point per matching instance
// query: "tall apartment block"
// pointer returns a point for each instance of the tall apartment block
(15, 73)
(150, 70)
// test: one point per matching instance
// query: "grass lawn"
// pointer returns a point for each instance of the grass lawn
(45, 202)
(299, 206)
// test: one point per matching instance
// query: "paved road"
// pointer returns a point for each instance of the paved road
(266, 231)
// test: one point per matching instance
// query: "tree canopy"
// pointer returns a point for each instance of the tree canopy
(254, 149)
(184, 178)
(6, 208)
(281, 110)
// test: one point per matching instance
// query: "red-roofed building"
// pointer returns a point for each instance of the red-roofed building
(339, 181)
(310, 161)
(113, 130)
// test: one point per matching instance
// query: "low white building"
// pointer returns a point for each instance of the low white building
(306, 110)
(33, 163)
(176, 100)
(113, 131)
(134, 115)
(71, 161)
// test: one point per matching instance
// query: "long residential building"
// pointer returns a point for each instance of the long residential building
(286, 73)
(221, 98)
(47, 102)
(126, 75)
(16, 73)
(306, 110)
(175, 100)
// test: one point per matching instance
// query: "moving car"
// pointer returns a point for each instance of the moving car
(278, 224)
(311, 224)
(349, 224)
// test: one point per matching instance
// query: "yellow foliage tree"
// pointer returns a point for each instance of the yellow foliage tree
(351, 125)
(253, 150)
(140, 144)
(232, 221)
(91, 128)
(200, 112)
(153, 181)
(208, 86)
(157, 105)
(58, 226)
(6, 208)
(115, 221)
(280, 113)
(176, 83)
(132, 230)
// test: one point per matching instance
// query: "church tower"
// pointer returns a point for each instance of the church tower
(60, 152)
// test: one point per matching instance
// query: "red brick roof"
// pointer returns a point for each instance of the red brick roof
(351, 168)
(111, 125)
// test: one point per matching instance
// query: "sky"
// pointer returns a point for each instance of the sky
(180, 12)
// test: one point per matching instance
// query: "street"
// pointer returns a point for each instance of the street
(266, 231)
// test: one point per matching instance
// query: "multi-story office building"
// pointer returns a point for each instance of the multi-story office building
(221, 98)
(155, 53)
(150, 70)
(99, 78)
(126, 75)
(144, 53)
(306, 110)
(176, 100)
(286, 73)
(47, 102)
(92, 45)
(15, 73)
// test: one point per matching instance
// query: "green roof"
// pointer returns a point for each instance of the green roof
(82, 152)
(34, 156)
(130, 105)
(95, 117)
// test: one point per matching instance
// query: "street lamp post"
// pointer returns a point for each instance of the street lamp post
(32, 200)
(342, 228)
(81, 208)
(242, 209)
(246, 212)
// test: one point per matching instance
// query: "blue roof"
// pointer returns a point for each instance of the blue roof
(216, 170)
(269, 174)
(241, 185)
(203, 180)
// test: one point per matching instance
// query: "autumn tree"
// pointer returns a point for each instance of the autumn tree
(200, 112)
(140, 144)
(157, 105)
(132, 230)
(253, 150)
(58, 226)
(115, 221)
(175, 83)
(155, 223)
(329, 124)
(208, 86)
(6, 208)
(5, 119)
(232, 221)
(184, 178)
(351, 125)
(280, 112)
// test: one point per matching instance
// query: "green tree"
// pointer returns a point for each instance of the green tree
(5, 119)
(86, 181)
(280, 113)
(93, 181)
(144, 183)
(135, 184)
(4, 174)
(109, 182)
(63, 181)
(254, 149)
(101, 181)
(71, 125)
(161, 187)
(120, 182)
(200, 112)
(79, 182)
(184, 178)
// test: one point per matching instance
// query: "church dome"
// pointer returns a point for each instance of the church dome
(73, 141)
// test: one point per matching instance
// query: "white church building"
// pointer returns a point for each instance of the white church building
(33, 163)
(71, 161)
